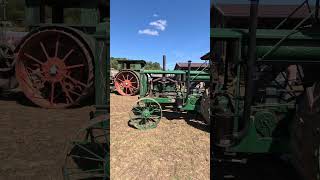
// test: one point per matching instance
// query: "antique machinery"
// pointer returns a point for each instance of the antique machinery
(176, 89)
(126, 81)
(88, 154)
(54, 62)
(266, 98)
(7, 79)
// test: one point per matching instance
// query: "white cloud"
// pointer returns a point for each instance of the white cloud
(155, 15)
(159, 24)
(149, 32)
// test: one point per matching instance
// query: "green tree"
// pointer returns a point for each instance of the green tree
(149, 65)
(153, 66)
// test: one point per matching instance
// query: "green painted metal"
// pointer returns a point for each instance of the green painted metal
(163, 72)
(192, 102)
(298, 46)
(170, 90)
(252, 143)
(146, 114)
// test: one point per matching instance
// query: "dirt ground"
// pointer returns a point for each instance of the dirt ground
(174, 150)
(33, 140)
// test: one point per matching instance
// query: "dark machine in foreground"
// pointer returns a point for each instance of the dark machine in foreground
(266, 94)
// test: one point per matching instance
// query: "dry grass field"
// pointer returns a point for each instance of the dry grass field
(174, 150)
(33, 140)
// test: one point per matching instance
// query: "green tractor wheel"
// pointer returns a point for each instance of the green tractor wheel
(146, 114)
(88, 154)
(306, 135)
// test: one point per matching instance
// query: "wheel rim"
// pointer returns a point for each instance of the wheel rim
(127, 83)
(6, 57)
(54, 69)
(146, 114)
(88, 154)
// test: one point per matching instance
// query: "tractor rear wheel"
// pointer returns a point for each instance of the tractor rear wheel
(54, 67)
(127, 83)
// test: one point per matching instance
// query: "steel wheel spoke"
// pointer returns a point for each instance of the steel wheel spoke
(57, 48)
(75, 81)
(137, 109)
(44, 50)
(75, 66)
(67, 55)
(33, 58)
(73, 92)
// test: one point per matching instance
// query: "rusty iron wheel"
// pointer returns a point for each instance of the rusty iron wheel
(127, 83)
(54, 68)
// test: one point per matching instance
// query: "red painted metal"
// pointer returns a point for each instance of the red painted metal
(127, 83)
(54, 68)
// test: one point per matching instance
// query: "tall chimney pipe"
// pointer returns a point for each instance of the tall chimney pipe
(164, 62)
(188, 77)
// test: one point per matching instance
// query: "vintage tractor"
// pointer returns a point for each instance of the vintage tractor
(266, 98)
(8, 41)
(88, 153)
(126, 81)
(54, 62)
(177, 89)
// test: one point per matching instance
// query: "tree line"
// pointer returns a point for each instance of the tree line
(149, 64)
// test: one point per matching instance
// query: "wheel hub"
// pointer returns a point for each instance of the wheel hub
(54, 70)
(146, 113)
(127, 84)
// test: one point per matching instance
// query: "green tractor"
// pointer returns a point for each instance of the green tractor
(176, 89)
(266, 95)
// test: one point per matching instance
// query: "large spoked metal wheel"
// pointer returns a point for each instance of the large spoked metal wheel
(88, 154)
(127, 83)
(54, 68)
(146, 114)
(6, 57)
(306, 134)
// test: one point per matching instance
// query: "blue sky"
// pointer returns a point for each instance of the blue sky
(147, 29)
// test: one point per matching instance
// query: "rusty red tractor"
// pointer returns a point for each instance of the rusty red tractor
(126, 81)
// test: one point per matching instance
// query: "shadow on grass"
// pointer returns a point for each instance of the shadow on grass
(194, 120)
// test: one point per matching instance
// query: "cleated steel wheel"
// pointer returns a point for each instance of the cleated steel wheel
(88, 154)
(146, 114)
(54, 68)
(127, 83)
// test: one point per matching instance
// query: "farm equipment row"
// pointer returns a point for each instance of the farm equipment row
(178, 90)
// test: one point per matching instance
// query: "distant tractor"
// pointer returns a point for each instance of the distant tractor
(126, 81)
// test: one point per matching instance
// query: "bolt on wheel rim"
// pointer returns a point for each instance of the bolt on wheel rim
(54, 69)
